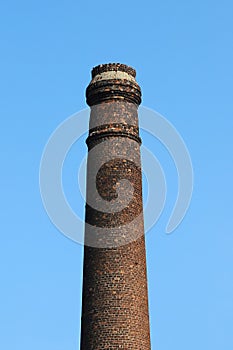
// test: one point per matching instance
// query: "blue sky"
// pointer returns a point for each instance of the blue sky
(183, 54)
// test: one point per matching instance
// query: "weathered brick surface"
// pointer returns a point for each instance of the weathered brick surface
(115, 296)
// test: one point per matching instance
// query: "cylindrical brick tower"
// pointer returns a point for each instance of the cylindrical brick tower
(115, 297)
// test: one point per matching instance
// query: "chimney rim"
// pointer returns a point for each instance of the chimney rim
(106, 67)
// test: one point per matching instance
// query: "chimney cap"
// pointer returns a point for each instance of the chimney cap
(113, 67)
(113, 81)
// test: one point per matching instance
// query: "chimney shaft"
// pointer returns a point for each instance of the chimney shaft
(115, 297)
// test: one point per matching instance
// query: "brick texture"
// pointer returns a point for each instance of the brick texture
(115, 297)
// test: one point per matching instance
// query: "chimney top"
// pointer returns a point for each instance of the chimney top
(113, 67)
(111, 82)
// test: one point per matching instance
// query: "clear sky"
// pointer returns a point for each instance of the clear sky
(183, 54)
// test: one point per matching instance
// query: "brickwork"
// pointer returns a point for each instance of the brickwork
(115, 296)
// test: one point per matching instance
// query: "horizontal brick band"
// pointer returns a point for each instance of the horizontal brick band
(114, 129)
(113, 89)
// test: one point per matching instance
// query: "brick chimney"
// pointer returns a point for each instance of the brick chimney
(115, 297)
